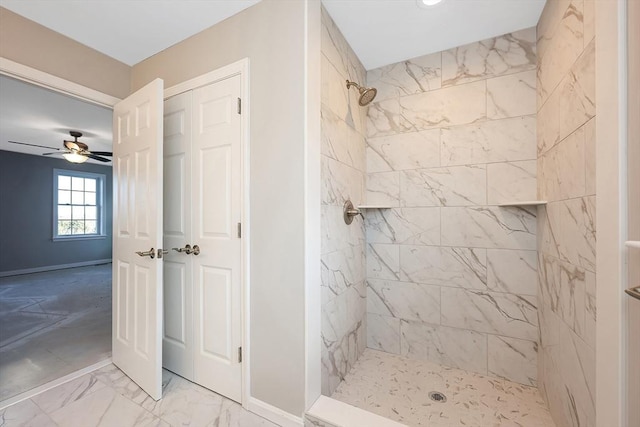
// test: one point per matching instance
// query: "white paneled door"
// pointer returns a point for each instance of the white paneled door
(137, 236)
(203, 161)
(177, 339)
(216, 204)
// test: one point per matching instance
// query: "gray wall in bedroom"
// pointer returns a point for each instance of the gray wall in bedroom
(26, 214)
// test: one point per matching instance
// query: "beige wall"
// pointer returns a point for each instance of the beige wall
(31, 44)
(272, 35)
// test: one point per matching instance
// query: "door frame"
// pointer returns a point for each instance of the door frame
(49, 81)
(238, 68)
(611, 210)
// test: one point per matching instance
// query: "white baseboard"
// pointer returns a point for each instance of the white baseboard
(55, 383)
(53, 267)
(273, 414)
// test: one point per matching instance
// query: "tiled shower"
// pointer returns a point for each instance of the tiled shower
(444, 273)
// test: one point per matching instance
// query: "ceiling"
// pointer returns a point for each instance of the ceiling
(381, 32)
(125, 29)
(39, 116)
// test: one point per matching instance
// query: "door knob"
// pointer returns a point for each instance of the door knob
(186, 249)
(162, 252)
(151, 253)
(196, 250)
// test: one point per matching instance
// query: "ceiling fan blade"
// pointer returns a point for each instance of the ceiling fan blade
(55, 152)
(35, 145)
(94, 157)
(70, 145)
(102, 153)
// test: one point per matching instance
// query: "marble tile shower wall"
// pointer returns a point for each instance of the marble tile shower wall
(343, 122)
(451, 276)
(567, 227)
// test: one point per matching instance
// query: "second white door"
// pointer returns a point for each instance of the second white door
(203, 209)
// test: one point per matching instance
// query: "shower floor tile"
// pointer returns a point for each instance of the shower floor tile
(398, 388)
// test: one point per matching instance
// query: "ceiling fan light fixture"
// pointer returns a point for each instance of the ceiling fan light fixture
(75, 157)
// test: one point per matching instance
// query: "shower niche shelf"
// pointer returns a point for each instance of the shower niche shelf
(523, 203)
(349, 211)
(374, 207)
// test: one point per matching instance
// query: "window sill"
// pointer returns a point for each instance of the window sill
(75, 238)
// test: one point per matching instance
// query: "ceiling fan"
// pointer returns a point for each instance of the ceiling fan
(74, 151)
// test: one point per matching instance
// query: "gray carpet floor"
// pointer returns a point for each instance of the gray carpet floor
(52, 324)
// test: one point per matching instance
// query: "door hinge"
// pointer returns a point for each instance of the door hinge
(239, 354)
(239, 106)
(239, 229)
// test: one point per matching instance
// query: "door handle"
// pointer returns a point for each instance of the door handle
(186, 249)
(151, 253)
(162, 252)
(633, 292)
(196, 250)
(632, 244)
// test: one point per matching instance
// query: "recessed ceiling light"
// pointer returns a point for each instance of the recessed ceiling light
(428, 3)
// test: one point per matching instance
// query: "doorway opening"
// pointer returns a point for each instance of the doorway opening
(55, 254)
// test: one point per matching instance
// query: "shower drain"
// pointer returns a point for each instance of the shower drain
(436, 396)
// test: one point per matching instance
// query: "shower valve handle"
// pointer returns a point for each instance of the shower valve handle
(355, 212)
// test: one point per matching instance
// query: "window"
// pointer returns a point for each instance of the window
(78, 206)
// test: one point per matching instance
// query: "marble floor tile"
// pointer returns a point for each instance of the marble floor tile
(66, 394)
(23, 414)
(108, 398)
(105, 407)
(397, 388)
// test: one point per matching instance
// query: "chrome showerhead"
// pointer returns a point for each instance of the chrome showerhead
(366, 93)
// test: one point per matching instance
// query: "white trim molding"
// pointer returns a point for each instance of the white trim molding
(54, 267)
(222, 73)
(49, 81)
(273, 414)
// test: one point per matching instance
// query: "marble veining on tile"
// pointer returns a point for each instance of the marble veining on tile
(512, 95)
(492, 141)
(409, 77)
(451, 186)
(497, 56)
(459, 267)
(452, 347)
(342, 263)
(413, 150)
(492, 227)
(415, 226)
(107, 397)
(443, 107)
(451, 277)
(512, 271)
(491, 312)
(567, 163)
(404, 300)
(396, 387)
(511, 181)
